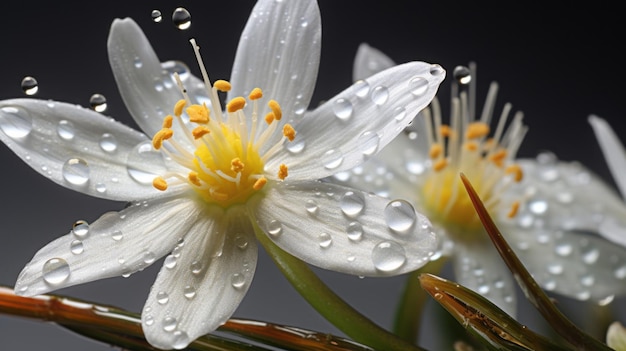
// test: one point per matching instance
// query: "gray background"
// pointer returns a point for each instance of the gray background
(558, 66)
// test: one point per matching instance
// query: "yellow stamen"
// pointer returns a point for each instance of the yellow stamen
(255, 94)
(159, 183)
(477, 130)
(283, 172)
(236, 165)
(445, 130)
(160, 136)
(514, 209)
(516, 170)
(498, 157)
(178, 108)
(470, 146)
(222, 85)
(278, 113)
(198, 114)
(435, 151)
(289, 132)
(167, 121)
(259, 184)
(236, 104)
(269, 118)
(440, 164)
(193, 178)
(200, 131)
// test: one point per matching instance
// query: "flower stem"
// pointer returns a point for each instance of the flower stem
(330, 305)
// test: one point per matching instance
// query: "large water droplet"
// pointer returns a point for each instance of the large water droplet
(181, 18)
(80, 229)
(418, 86)
(15, 122)
(162, 297)
(355, 231)
(98, 102)
(108, 142)
(400, 215)
(144, 163)
(65, 130)
(462, 75)
(189, 292)
(388, 256)
(181, 340)
(361, 88)
(332, 159)
(342, 109)
(352, 203)
(156, 16)
(275, 228)
(75, 171)
(77, 247)
(238, 280)
(55, 271)
(380, 95)
(169, 324)
(368, 143)
(324, 240)
(30, 85)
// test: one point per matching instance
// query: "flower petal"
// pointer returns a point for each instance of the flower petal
(148, 90)
(478, 266)
(359, 121)
(612, 149)
(369, 61)
(279, 52)
(202, 282)
(79, 148)
(117, 243)
(345, 230)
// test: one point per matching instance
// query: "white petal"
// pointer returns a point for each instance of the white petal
(369, 61)
(616, 336)
(613, 151)
(345, 230)
(360, 121)
(117, 243)
(279, 52)
(203, 282)
(148, 91)
(78, 148)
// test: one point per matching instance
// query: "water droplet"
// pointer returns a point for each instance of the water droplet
(144, 163)
(462, 75)
(361, 88)
(15, 122)
(238, 280)
(436, 70)
(30, 85)
(590, 255)
(352, 203)
(555, 268)
(388, 256)
(77, 247)
(196, 267)
(176, 67)
(101, 188)
(311, 206)
(98, 102)
(76, 171)
(538, 207)
(399, 113)
(169, 324)
(80, 229)
(380, 95)
(368, 143)
(138, 63)
(162, 297)
(563, 249)
(355, 231)
(620, 272)
(400, 215)
(148, 320)
(108, 142)
(342, 109)
(117, 235)
(296, 146)
(148, 257)
(156, 16)
(181, 340)
(587, 280)
(324, 240)
(607, 300)
(275, 228)
(181, 18)
(65, 130)
(55, 271)
(241, 242)
(189, 292)
(418, 86)
(332, 159)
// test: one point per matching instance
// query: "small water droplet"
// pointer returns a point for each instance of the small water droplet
(296, 146)
(368, 143)
(196, 267)
(108, 142)
(342, 109)
(324, 240)
(80, 229)
(148, 320)
(388, 256)
(563, 249)
(30, 85)
(77, 247)
(399, 113)
(418, 86)
(620, 272)
(156, 16)
(181, 340)
(181, 18)
(189, 292)
(177, 67)
(148, 257)
(162, 297)
(101, 188)
(117, 235)
(355, 231)
(76, 171)
(241, 242)
(538, 207)
(462, 75)
(332, 159)
(275, 228)
(144, 163)
(137, 62)
(590, 255)
(438, 296)
(400, 215)
(361, 88)
(55, 271)
(352, 203)
(170, 261)
(555, 268)
(65, 130)
(98, 102)
(15, 122)
(169, 324)
(380, 95)
(238, 280)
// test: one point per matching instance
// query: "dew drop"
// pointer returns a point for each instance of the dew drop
(144, 163)
(30, 85)
(156, 16)
(196, 267)
(117, 235)
(108, 142)
(181, 340)
(555, 268)
(80, 229)
(368, 143)
(169, 324)
(311, 206)
(563, 249)
(162, 297)
(241, 242)
(399, 113)
(15, 122)
(238, 280)
(462, 75)
(400, 215)
(361, 88)
(65, 130)
(275, 228)
(590, 256)
(352, 203)
(176, 67)
(75, 171)
(380, 95)
(332, 159)
(148, 320)
(98, 102)
(355, 231)
(181, 18)
(324, 240)
(296, 146)
(342, 109)
(388, 256)
(418, 86)
(538, 207)
(55, 271)
(77, 247)
(620, 272)
(189, 292)
(148, 257)
(101, 188)
(170, 261)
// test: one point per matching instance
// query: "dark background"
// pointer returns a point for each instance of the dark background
(558, 66)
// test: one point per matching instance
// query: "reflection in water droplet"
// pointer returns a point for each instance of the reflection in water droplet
(355, 231)
(98, 102)
(324, 240)
(181, 18)
(80, 229)
(399, 113)
(462, 75)
(311, 206)
(156, 16)
(332, 159)
(368, 143)
(342, 109)
(30, 85)
(388, 256)
(400, 215)
(65, 130)
(296, 146)
(101, 188)
(352, 203)
(181, 340)
(196, 267)
(189, 292)
(148, 257)
(238, 280)
(108, 142)
(275, 228)
(162, 297)
(169, 324)
(117, 235)
(144, 163)
(15, 122)
(75, 171)
(361, 88)
(418, 86)
(55, 271)
(380, 94)
(77, 247)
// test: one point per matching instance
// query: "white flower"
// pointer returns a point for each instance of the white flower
(545, 208)
(208, 177)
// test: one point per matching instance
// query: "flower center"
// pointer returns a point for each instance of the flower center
(466, 146)
(227, 164)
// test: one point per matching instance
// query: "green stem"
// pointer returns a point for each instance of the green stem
(330, 305)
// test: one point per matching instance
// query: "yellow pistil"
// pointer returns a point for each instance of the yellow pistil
(222, 85)
(275, 107)
(476, 130)
(255, 94)
(159, 183)
(235, 104)
(178, 108)
(198, 113)
(260, 183)
(236, 165)
(289, 132)
(283, 171)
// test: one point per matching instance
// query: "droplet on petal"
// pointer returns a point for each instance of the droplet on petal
(55, 271)
(380, 95)
(400, 216)
(80, 229)
(388, 256)
(76, 171)
(108, 142)
(352, 203)
(15, 122)
(342, 109)
(65, 130)
(418, 86)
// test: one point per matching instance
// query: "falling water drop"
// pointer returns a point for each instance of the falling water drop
(462, 75)
(30, 85)
(156, 16)
(181, 18)
(98, 102)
